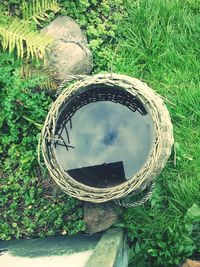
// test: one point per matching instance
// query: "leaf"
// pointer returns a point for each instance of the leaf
(19, 36)
(14, 225)
(36, 9)
(45, 76)
(137, 248)
(162, 245)
(180, 248)
(193, 213)
(153, 252)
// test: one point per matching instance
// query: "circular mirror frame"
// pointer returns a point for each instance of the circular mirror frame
(163, 138)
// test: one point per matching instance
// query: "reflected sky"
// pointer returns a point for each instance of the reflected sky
(106, 132)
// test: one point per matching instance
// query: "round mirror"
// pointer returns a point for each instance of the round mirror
(103, 136)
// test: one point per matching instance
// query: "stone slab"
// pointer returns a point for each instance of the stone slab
(102, 250)
(111, 251)
(62, 251)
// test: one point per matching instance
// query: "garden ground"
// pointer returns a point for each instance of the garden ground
(156, 41)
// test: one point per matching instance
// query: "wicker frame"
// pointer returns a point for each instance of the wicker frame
(159, 155)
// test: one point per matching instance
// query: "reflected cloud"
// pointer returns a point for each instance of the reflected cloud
(106, 132)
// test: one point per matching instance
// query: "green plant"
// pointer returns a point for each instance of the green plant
(44, 74)
(19, 36)
(167, 248)
(99, 19)
(22, 36)
(161, 240)
(37, 10)
(28, 205)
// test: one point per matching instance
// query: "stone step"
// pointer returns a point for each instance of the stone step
(69, 251)
(111, 250)
(102, 250)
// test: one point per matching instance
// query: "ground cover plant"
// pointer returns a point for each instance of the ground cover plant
(30, 205)
(159, 43)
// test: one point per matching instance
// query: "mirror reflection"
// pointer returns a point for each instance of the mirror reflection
(104, 143)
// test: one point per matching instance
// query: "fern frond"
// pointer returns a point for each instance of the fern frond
(45, 76)
(19, 36)
(49, 85)
(37, 9)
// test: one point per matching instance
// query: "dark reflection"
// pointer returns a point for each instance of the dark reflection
(100, 175)
(102, 143)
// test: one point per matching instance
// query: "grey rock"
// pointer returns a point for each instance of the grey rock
(99, 217)
(70, 54)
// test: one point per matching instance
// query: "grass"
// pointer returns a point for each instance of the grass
(159, 44)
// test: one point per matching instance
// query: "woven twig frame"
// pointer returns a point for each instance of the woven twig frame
(159, 154)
